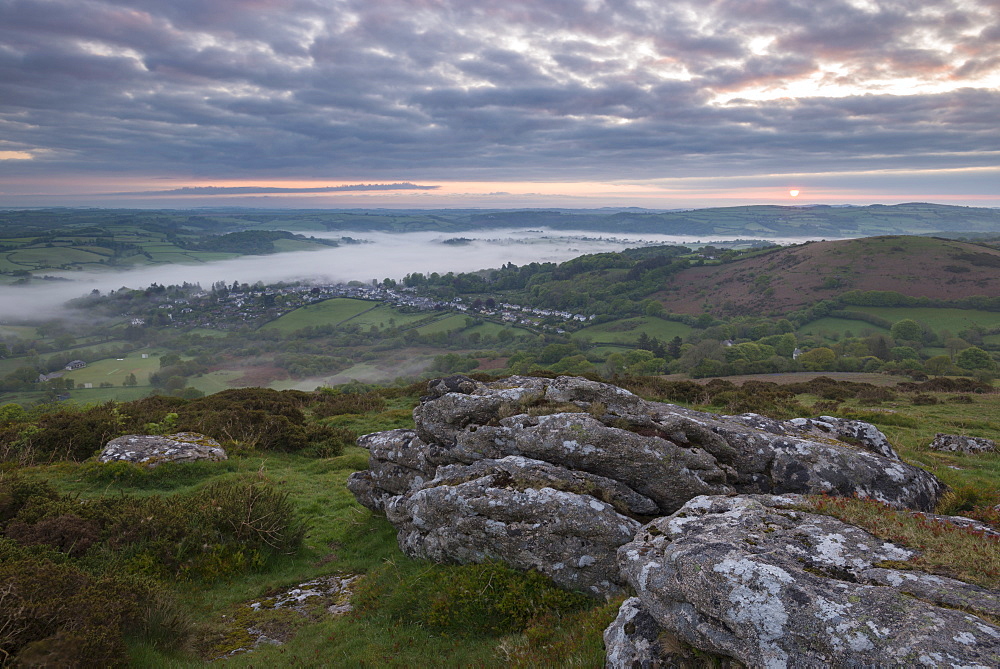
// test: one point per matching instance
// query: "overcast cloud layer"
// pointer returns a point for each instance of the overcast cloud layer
(549, 90)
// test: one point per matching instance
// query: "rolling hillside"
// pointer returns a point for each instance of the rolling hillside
(794, 277)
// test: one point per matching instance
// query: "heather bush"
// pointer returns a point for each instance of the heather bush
(55, 614)
(335, 404)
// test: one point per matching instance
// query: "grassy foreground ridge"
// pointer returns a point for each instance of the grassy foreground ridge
(113, 564)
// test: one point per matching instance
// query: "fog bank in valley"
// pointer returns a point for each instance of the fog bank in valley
(383, 255)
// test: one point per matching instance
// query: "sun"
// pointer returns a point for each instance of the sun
(794, 192)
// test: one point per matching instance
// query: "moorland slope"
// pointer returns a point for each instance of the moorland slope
(795, 277)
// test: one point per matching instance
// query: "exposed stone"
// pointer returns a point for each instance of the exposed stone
(753, 578)
(523, 512)
(616, 434)
(313, 600)
(552, 474)
(956, 443)
(152, 450)
(398, 463)
(459, 383)
(632, 640)
(855, 432)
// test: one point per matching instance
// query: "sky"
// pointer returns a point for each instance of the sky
(512, 103)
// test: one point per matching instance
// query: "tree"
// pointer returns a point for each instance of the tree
(907, 330)
(975, 358)
(674, 348)
(939, 365)
(130, 381)
(818, 359)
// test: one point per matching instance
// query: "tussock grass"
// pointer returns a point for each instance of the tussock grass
(945, 549)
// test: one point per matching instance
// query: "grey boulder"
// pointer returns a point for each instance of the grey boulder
(151, 450)
(757, 579)
(526, 513)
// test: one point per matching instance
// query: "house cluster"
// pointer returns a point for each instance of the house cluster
(235, 308)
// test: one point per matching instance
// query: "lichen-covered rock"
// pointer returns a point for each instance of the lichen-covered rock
(458, 383)
(956, 443)
(632, 640)
(609, 431)
(398, 463)
(754, 578)
(151, 450)
(856, 432)
(526, 513)
(585, 444)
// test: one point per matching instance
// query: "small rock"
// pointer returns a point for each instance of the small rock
(956, 443)
(151, 450)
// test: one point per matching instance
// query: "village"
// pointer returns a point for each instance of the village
(241, 305)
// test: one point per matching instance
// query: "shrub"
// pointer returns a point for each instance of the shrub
(875, 394)
(67, 533)
(249, 512)
(16, 491)
(54, 614)
(331, 404)
(488, 598)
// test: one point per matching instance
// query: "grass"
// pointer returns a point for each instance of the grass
(447, 324)
(954, 320)
(823, 327)
(627, 330)
(114, 371)
(944, 549)
(214, 382)
(384, 316)
(322, 313)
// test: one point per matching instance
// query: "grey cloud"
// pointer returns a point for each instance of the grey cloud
(244, 190)
(446, 89)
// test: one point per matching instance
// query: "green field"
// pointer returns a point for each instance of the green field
(214, 382)
(824, 327)
(954, 320)
(627, 330)
(447, 324)
(114, 371)
(326, 312)
(381, 316)
(18, 331)
(490, 328)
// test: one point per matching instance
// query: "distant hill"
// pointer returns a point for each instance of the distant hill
(790, 278)
(913, 218)
(758, 221)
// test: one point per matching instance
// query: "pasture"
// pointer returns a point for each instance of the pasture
(327, 312)
(953, 320)
(835, 328)
(627, 330)
(114, 371)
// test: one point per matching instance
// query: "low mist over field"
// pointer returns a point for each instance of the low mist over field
(380, 256)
